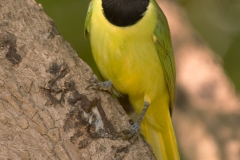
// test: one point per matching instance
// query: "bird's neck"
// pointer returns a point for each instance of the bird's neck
(124, 13)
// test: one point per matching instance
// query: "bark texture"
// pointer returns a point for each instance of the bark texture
(45, 110)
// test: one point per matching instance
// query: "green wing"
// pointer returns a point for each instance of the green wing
(163, 44)
(87, 21)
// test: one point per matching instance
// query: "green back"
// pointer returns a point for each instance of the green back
(165, 52)
(87, 20)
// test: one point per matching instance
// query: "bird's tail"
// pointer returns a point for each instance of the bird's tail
(163, 141)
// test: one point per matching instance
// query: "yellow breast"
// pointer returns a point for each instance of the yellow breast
(127, 56)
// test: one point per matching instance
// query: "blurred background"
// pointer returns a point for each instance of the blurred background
(215, 24)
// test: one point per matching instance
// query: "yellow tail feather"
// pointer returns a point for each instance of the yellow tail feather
(163, 142)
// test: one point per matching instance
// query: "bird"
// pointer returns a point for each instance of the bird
(131, 45)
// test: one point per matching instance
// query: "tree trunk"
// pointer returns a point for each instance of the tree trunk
(45, 110)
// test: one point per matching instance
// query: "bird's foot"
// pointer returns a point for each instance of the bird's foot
(132, 133)
(97, 85)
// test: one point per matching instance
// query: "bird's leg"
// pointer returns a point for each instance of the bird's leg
(132, 133)
(104, 86)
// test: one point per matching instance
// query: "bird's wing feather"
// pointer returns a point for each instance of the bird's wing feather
(87, 21)
(163, 44)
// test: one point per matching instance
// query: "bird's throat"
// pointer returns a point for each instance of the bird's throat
(124, 13)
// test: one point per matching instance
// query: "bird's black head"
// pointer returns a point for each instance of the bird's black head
(124, 13)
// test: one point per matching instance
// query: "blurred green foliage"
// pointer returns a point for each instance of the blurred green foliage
(217, 21)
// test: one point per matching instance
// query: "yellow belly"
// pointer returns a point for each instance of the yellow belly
(128, 57)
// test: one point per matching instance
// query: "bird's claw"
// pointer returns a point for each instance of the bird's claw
(97, 85)
(132, 133)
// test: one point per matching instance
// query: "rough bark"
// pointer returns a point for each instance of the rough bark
(207, 112)
(45, 110)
